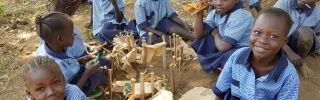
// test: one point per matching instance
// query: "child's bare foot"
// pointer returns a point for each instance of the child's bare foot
(132, 73)
(305, 71)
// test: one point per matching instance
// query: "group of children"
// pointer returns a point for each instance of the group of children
(257, 57)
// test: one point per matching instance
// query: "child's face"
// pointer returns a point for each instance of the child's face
(67, 37)
(45, 84)
(224, 6)
(302, 3)
(267, 36)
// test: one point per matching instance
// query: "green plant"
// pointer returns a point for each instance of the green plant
(3, 64)
(1, 9)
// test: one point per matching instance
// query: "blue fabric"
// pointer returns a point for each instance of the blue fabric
(209, 56)
(108, 32)
(74, 93)
(67, 63)
(251, 3)
(99, 78)
(234, 28)
(78, 48)
(301, 17)
(281, 83)
(151, 12)
(103, 12)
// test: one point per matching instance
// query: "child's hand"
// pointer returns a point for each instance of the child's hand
(91, 67)
(85, 59)
(295, 59)
(188, 27)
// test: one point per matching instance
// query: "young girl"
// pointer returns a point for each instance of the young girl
(56, 29)
(261, 72)
(78, 50)
(225, 29)
(44, 81)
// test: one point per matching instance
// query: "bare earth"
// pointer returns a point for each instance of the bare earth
(18, 45)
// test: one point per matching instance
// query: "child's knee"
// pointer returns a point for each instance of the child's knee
(305, 35)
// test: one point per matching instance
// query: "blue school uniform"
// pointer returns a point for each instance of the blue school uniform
(157, 14)
(251, 3)
(238, 81)
(74, 93)
(72, 70)
(301, 17)
(78, 49)
(105, 26)
(234, 28)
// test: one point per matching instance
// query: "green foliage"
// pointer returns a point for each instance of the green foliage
(1, 9)
(3, 64)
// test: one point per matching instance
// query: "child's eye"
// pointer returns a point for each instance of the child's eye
(56, 83)
(256, 32)
(273, 36)
(40, 89)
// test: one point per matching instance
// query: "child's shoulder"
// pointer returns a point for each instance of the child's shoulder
(241, 51)
(241, 14)
(74, 93)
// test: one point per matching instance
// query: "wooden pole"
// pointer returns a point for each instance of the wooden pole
(110, 83)
(164, 52)
(150, 38)
(133, 86)
(144, 51)
(141, 86)
(152, 83)
(172, 78)
(170, 43)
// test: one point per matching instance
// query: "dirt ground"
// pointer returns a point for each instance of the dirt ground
(18, 43)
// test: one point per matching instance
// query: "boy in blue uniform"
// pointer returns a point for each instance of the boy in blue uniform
(44, 81)
(225, 29)
(56, 29)
(159, 17)
(109, 20)
(261, 72)
(303, 34)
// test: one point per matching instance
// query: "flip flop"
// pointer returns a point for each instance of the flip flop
(95, 93)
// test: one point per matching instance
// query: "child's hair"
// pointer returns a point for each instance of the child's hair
(279, 13)
(50, 23)
(39, 62)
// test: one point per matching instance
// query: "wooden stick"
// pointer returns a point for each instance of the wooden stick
(141, 86)
(132, 40)
(174, 59)
(170, 43)
(152, 83)
(160, 84)
(144, 51)
(177, 45)
(174, 44)
(133, 86)
(129, 42)
(164, 52)
(150, 38)
(179, 64)
(110, 83)
(172, 78)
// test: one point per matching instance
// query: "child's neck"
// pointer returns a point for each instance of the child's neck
(263, 66)
(56, 48)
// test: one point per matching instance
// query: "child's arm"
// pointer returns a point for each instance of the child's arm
(172, 15)
(292, 56)
(289, 91)
(224, 80)
(85, 59)
(198, 26)
(221, 45)
(182, 23)
(117, 14)
(91, 68)
(254, 4)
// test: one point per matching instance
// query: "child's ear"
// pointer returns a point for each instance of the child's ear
(66, 9)
(59, 40)
(28, 95)
(286, 40)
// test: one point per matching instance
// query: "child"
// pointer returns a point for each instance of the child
(262, 71)
(159, 17)
(109, 20)
(302, 36)
(78, 50)
(44, 80)
(225, 29)
(56, 29)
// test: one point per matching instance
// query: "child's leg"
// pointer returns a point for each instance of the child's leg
(108, 32)
(97, 79)
(168, 26)
(305, 42)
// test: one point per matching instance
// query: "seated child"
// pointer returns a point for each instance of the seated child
(159, 17)
(225, 29)
(261, 72)
(44, 81)
(78, 50)
(302, 36)
(252, 4)
(109, 20)
(56, 29)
